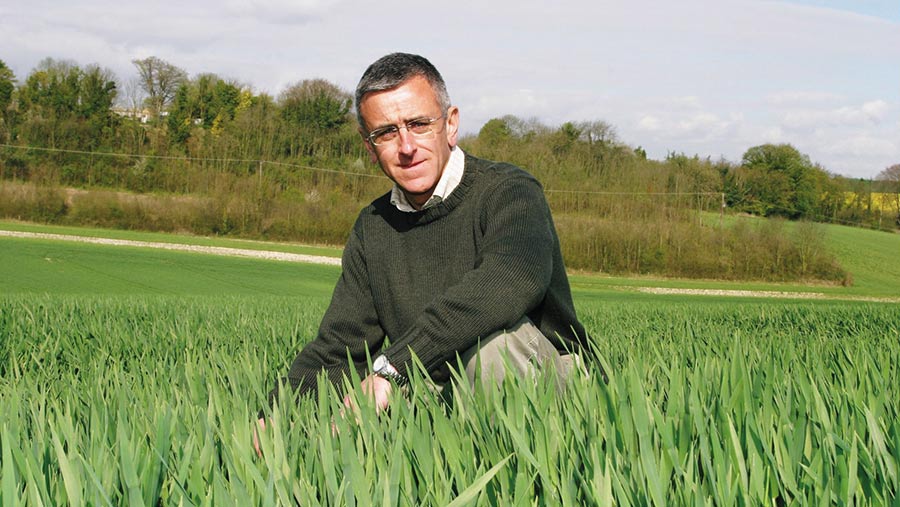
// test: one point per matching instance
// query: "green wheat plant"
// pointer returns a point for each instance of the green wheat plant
(151, 400)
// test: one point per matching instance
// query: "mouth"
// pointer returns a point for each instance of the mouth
(411, 165)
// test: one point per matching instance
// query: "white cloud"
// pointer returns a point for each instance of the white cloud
(279, 11)
(876, 109)
(772, 135)
(521, 102)
(683, 103)
(699, 123)
(684, 118)
(864, 145)
(788, 98)
(871, 112)
(649, 123)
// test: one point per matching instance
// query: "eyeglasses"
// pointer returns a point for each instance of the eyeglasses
(420, 128)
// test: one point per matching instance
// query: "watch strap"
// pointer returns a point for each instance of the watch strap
(384, 369)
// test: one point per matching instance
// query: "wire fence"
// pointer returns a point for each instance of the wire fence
(184, 158)
(703, 199)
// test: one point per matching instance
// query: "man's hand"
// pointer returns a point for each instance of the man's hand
(378, 388)
(262, 427)
(375, 387)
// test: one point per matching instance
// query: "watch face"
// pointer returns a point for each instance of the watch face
(380, 363)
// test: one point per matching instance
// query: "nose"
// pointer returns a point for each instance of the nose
(408, 144)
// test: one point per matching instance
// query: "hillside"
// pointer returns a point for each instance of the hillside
(869, 256)
(872, 257)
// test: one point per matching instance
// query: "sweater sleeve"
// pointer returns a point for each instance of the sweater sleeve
(514, 273)
(350, 327)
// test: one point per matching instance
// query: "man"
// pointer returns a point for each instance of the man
(460, 259)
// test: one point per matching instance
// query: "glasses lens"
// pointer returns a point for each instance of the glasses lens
(419, 127)
(384, 135)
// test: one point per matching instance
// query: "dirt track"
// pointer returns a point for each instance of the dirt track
(215, 250)
(760, 294)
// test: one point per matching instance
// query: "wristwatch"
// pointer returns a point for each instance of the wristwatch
(384, 369)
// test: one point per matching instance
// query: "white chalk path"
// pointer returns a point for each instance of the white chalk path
(215, 250)
(760, 294)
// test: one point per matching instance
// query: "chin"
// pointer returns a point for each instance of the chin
(418, 189)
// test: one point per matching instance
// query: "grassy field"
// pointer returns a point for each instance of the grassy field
(870, 256)
(58, 267)
(132, 376)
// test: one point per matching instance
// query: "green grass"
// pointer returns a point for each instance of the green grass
(60, 267)
(873, 257)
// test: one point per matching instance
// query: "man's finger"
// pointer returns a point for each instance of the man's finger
(261, 426)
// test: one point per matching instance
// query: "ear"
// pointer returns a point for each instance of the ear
(452, 126)
(369, 148)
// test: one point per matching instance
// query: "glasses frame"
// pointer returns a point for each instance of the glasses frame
(408, 126)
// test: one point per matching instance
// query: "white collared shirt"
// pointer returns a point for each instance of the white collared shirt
(450, 178)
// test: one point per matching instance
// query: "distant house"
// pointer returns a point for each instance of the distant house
(143, 115)
(137, 114)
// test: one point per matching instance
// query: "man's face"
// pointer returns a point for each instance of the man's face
(415, 164)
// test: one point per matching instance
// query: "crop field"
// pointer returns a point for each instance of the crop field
(144, 389)
(881, 201)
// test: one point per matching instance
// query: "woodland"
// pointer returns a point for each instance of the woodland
(207, 155)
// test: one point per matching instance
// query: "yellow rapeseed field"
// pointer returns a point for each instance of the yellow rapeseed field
(886, 202)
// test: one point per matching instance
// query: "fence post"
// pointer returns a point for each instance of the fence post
(722, 212)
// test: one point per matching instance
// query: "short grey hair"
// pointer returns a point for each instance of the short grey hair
(391, 71)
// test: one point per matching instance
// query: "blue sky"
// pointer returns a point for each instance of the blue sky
(705, 77)
(884, 9)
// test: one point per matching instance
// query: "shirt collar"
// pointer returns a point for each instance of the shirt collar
(450, 178)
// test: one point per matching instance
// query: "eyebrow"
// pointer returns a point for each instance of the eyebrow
(403, 122)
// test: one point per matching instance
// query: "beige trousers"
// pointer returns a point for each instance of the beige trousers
(523, 349)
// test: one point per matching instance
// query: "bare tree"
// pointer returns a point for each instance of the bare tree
(892, 176)
(56, 67)
(160, 81)
(596, 131)
(525, 128)
(132, 97)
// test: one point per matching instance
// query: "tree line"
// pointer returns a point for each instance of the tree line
(292, 166)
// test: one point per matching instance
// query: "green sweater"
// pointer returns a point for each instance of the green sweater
(437, 280)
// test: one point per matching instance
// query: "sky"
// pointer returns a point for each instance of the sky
(701, 77)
